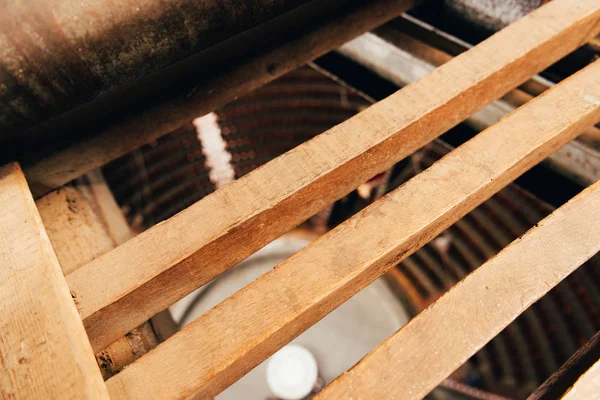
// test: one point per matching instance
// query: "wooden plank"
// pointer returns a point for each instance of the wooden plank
(76, 232)
(208, 95)
(44, 349)
(440, 339)
(403, 59)
(83, 222)
(226, 342)
(128, 285)
(587, 387)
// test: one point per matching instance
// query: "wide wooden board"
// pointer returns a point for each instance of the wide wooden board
(44, 349)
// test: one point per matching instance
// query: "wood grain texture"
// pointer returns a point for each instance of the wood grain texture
(83, 222)
(44, 349)
(153, 270)
(402, 59)
(226, 342)
(204, 97)
(443, 337)
(587, 387)
(75, 230)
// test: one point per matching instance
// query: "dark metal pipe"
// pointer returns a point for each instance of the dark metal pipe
(60, 54)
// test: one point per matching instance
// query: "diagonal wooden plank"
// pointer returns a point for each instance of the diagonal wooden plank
(44, 349)
(212, 92)
(225, 343)
(123, 288)
(440, 339)
(403, 59)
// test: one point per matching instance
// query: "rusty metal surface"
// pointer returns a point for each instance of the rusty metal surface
(59, 54)
(159, 180)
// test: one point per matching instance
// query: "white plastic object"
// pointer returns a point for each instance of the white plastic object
(292, 372)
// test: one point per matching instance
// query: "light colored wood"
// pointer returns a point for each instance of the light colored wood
(587, 387)
(403, 59)
(44, 349)
(226, 342)
(208, 95)
(153, 270)
(440, 339)
(83, 222)
(75, 231)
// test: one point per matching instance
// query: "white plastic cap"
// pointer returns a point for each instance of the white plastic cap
(292, 372)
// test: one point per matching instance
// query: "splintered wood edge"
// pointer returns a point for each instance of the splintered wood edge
(238, 334)
(440, 339)
(125, 287)
(44, 349)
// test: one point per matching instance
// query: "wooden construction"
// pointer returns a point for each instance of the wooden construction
(142, 277)
(371, 242)
(39, 320)
(425, 351)
(84, 222)
(80, 288)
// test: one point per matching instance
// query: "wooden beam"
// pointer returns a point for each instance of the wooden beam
(586, 387)
(208, 95)
(76, 232)
(440, 339)
(145, 275)
(403, 59)
(83, 222)
(44, 349)
(229, 340)
(422, 36)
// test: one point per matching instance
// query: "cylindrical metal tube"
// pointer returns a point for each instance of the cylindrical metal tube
(59, 54)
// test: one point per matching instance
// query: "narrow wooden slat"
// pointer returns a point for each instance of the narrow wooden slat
(440, 339)
(212, 93)
(150, 272)
(44, 349)
(403, 59)
(226, 342)
(587, 387)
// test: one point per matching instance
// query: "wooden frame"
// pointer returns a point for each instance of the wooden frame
(142, 278)
(117, 290)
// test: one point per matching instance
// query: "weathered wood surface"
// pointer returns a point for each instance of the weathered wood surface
(202, 98)
(83, 222)
(442, 338)
(403, 59)
(44, 349)
(125, 287)
(226, 342)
